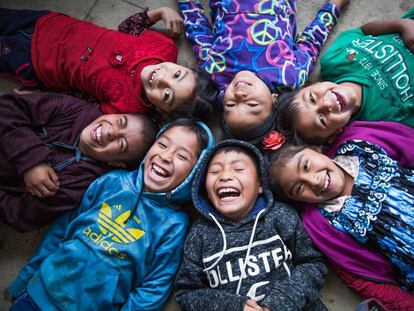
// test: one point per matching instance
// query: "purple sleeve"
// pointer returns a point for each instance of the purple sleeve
(398, 141)
(395, 138)
(343, 250)
(136, 24)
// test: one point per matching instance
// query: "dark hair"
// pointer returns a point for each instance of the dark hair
(194, 127)
(286, 112)
(148, 134)
(239, 149)
(254, 134)
(202, 101)
(278, 159)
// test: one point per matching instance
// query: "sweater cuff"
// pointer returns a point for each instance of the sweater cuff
(331, 8)
(24, 149)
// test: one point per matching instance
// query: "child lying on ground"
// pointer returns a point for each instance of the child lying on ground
(126, 73)
(253, 53)
(53, 146)
(121, 248)
(364, 194)
(371, 70)
(264, 260)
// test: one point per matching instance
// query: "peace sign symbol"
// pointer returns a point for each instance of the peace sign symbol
(327, 19)
(303, 77)
(263, 32)
(216, 63)
(279, 53)
(267, 6)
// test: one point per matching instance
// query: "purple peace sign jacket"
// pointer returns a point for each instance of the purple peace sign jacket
(259, 36)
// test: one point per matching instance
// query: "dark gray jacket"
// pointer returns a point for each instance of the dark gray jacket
(283, 270)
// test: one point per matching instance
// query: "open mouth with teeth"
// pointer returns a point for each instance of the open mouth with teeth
(159, 171)
(227, 193)
(242, 83)
(151, 76)
(340, 101)
(327, 183)
(96, 135)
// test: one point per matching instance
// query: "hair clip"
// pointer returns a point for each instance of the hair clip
(273, 141)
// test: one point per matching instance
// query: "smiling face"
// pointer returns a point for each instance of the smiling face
(324, 109)
(171, 159)
(312, 177)
(232, 183)
(248, 101)
(168, 85)
(113, 138)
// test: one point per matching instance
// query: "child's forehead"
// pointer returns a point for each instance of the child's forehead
(181, 135)
(233, 154)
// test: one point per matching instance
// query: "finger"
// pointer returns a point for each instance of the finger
(44, 192)
(170, 28)
(50, 185)
(54, 177)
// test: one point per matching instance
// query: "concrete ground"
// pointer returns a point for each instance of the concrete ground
(15, 248)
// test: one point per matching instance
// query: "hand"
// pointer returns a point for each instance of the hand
(173, 22)
(407, 33)
(252, 305)
(340, 3)
(41, 181)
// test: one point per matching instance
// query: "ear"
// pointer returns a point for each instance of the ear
(260, 189)
(118, 164)
(274, 98)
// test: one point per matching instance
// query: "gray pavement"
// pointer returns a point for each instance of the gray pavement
(16, 248)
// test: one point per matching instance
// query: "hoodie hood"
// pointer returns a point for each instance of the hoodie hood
(183, 192)
(199, 196)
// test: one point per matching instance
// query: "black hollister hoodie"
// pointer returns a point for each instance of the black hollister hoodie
(283, 270)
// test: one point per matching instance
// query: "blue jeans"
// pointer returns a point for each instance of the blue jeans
(24, 303)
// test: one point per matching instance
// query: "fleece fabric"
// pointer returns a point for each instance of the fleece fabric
(119, 250)
(267, 256)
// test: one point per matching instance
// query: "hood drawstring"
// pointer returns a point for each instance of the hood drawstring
(223, 235)
(243, 268)
(76, 158)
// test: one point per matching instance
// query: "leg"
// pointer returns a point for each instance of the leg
(16, 29)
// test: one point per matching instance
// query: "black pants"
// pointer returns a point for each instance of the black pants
(16, 30)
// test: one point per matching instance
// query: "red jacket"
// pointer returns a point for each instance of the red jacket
(68, 53)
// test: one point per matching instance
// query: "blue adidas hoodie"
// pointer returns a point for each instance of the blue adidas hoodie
(119, 250)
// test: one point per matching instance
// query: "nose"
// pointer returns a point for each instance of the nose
(113, 132)
(240, 94)
(166, 156)
(225, 175)
(314, 181)
(161, 78)
(325, 102)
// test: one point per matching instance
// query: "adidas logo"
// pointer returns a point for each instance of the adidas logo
(351, 54)
(113, 231)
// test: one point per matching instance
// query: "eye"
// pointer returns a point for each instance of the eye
(252, 105)
(239, 170)
(123, 122)
(162, 145)
(306, 166)
(167, 95)
(312, 99)
(299, 189)
(122, 144)
(230, 105)
(177, 74)
(182, 157)
(322, 120)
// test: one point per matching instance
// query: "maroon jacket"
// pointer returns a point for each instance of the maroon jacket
(68, 53)
(27, 124)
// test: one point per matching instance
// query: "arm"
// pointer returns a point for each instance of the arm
(306, 278)
(141, 21)
(50, 242)
(310, 41)
(20, 115)
(192, 287)
(198, 29)
(154, 290)
(395, 138)
(403, 26)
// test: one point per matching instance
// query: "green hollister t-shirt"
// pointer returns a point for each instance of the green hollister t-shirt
(383, 65)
